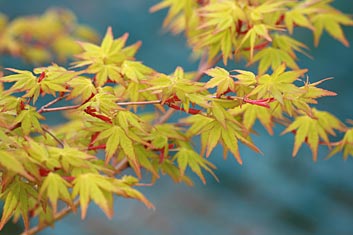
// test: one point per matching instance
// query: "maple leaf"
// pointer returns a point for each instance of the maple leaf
(176, 8)
(187, 157)
(278, 84)
(81, 86)
(105, 60)
(24, 81)
(271, 57)
(29, 120)
(124, 187)
(330, 20)
(100, 189)
(297, 16)
(94, 187)
(253, 112)
(345, 144)
(258, 30)
(218, 31)
(220, 79)
(135, 70)
(178, 86)
(54, 79)
(18, 198)
(10, 162)
(312, 129)
(288, 45)
(168, 167)
(220, 128)
(54, 187)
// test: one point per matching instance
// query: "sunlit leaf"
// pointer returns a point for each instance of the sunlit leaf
(312, 129)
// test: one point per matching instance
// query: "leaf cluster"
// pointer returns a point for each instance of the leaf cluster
(41, 39)
(108, 128)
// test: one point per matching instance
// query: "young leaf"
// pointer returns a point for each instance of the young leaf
(17, 197)
(94, 187)
(330, 21)
(123, 187)
(24, 81)
(346, 144)
(312, 129)
(251, 113)
(271, 57)
(9, 161)
(29, 120)
(188, 157)
(54, 187)
(83, 87)
(278, 84)
(220, 79)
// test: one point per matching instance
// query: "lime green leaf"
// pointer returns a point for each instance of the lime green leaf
(17, 197)
(278, 84)
(296, 17)
(220, 79)
(345, 144)
(258, 30)
(273, 58)
(24, 81)
(135, 70)
(123, 187)
(54, 187)
(245, 78)
(188, 158)
(94, 187)
(253, 112)
(331, 22)
(312, 129)
(9, 161)
(29, 120)
(83, 87)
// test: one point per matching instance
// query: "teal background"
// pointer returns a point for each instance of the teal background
(269, 195)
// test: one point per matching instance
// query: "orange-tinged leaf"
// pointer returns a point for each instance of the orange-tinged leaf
(345, 144)
(107, 40)
(231, 144)
(219, 113)
(123, 187)
(188, 158)
(251, 113)
(213, 138)
(331, 22)
(279, 84)
(296, 17)
(312, 129)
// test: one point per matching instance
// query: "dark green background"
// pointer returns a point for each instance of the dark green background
(269, 195)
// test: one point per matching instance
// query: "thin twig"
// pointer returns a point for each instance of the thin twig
(51, 103)
(46, 110)
(139, 102)
(61, 214)
(54, 137)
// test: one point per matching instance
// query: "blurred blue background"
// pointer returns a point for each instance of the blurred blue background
(269, 195)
